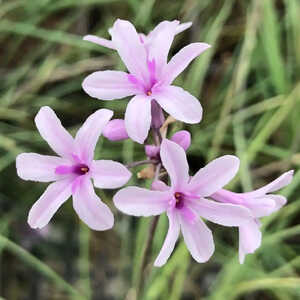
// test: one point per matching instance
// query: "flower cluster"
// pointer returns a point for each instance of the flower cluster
(187, 200)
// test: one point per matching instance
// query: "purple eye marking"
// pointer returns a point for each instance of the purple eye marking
(179, 200)
(81, 169)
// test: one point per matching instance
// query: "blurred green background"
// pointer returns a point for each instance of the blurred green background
(248, 84)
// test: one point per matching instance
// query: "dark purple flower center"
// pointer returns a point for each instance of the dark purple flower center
(80, 169)
(179, 197)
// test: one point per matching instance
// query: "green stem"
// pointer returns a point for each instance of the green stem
(146, 254)
(84, 283)
(147, 250)
(140, 163)
(38, 265)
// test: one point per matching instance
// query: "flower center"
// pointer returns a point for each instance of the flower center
(179, 200)
(81, 169)
(149, 93)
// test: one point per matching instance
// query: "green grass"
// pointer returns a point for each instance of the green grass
(248, 84)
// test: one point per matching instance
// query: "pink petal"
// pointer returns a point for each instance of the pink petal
(143, 37)
(90, 209)
(46, 206)
(215, 175)
(225, 214)
(160, 40)
(159, 28)
(198, 239)
(183, 27)
(249, 239)
(115, 130)
(182, 138)
(170, 240)
(159, 185)
(141, 202)
(182, 59)
(174, 160)
(179, 104)
(53, 132)
(108, 174)
(99, 41)
(36, 167)
(188, 214)
(138, 118)
(77, 183)
(226, 196)
(130, 48)
(273, 186)
(109, 85)
(260, 207)
(88, 135)
(279, 201)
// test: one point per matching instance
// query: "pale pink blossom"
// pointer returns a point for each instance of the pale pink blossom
(150, 77)
(71, 171)
(261, 203)
(185, 202)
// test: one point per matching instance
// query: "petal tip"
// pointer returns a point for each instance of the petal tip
(87, 37)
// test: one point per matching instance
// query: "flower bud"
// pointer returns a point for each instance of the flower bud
(157, 115)
(115, 130)
(182, 138)
(152, 151)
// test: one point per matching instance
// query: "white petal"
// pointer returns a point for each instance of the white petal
(215, 175)
(88, 135)
(109, 85)
(90, 209)
(198, 239)
(53, 132)
(130, 48)
(36, 167)
(182, 59)
(108, 174)
(99, 41)
(273, 186)
(225, 214)
(249, 239)
(174, 160)
(179, 104)
(46, 206)
(138, 118)
(170, 240)
(141, 202)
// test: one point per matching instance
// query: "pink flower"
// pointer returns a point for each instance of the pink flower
(149, 77)
(185, 202)
(71, 171)
(182, 138)
(261, 204)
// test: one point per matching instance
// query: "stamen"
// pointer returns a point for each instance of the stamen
(149, 93)
(84, 169)
(179, 200)
(81, 169)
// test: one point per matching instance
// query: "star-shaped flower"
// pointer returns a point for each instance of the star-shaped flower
(71, 171)
(149, 79)
(185, 202)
